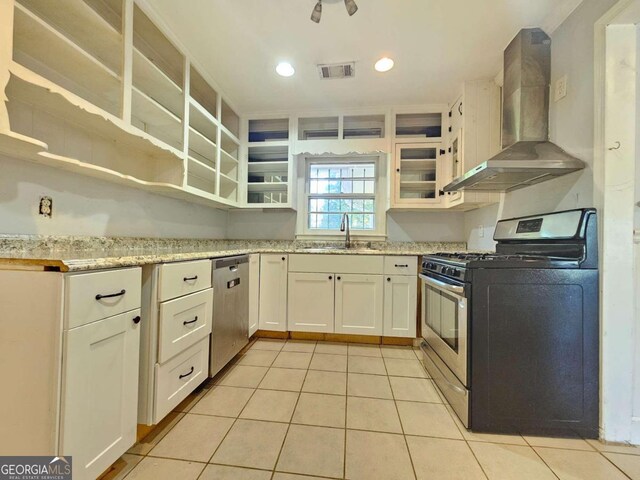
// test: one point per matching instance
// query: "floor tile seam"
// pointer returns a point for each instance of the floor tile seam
(346, 412)
(465, 440)
(235, 420)
(286, 433)
(541, 459)
(404, 436)
(585, 451)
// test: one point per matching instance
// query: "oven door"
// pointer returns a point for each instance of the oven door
(444, 321)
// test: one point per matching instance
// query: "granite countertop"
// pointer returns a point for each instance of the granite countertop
(72, 254)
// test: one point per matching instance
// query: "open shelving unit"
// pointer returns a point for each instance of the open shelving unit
(75, 104)
(268, 163)
(418, 126)
(363, 126)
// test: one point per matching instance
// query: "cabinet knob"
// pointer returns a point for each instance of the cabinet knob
(338, 278)
(398, 170)
(388, 279)
(330, 277)
(137, 319)
(283, 259)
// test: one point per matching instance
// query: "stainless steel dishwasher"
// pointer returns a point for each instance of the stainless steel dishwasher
(230, 310)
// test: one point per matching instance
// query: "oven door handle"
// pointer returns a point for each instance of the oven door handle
(453, 387)
(442, 285)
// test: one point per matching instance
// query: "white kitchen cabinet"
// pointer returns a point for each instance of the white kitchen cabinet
(177, 315)
(400, 304)
(474, 135)
(310, 302)
(100, 392)
(254, 292)
(358, 304)
(273, 292)
(418, 175)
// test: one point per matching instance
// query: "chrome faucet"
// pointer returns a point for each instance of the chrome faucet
(344, 227)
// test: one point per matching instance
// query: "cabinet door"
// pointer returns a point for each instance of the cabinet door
(254, 292)
(359, 303)
(100, 393)
(417, 175)
(400, 304)
(310, 306)
(273, 292)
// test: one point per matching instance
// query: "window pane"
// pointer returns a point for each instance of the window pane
(369, 186)
(339, 188)
(334, 221)
(368, 206)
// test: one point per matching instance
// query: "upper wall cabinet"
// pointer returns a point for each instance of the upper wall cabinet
(97, 88)
(417, 169)
(474, 135)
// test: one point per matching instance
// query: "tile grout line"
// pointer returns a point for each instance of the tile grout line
(235, 420)
(286, 433)
(404, 436)
(346, 412)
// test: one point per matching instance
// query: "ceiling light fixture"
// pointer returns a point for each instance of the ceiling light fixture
(317, 12)
(285, 69)
(351, 7)
(384, 64)
(316, 15)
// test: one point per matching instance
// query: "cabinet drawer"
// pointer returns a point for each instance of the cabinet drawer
(183, 322)
(94, 296)
(180, 376)
(327, 263)
(404, 265)
(178, 279)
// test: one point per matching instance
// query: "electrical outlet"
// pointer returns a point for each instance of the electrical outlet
(561, 88)
(46, 207)
(481, 231)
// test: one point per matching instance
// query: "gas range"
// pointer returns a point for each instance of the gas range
(490, 319)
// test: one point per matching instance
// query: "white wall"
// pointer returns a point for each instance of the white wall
(86, 206)
(401, 226)
(571, 127)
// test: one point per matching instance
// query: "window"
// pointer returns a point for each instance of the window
(334, 189)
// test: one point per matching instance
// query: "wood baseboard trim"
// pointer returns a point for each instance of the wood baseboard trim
(336, 337)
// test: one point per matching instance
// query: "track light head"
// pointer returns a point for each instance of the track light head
(351, 7)
(317, 12)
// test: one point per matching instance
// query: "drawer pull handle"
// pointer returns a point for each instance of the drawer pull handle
(188, 279)
(137, 319)
(190, 321)
(401, 266)
(111, 295)
(186, 374)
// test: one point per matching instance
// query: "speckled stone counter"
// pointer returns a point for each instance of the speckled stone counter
(70, 254)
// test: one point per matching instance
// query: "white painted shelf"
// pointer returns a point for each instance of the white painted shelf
(148, 78)
(44, 50)
(267, 186)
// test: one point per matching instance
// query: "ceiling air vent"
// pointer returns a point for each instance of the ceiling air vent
(337, 70)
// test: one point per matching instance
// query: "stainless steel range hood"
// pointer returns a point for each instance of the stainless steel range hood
(528, 156)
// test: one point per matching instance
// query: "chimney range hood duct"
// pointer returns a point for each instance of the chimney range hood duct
(527, 156)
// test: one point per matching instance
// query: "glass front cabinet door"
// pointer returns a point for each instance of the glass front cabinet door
(417, 174)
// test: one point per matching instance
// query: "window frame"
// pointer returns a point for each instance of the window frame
(303, 232)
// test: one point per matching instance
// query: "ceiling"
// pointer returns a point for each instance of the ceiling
(436, 45)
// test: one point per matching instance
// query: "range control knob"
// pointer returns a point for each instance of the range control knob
(456, 273)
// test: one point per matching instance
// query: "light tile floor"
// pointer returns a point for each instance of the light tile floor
(299, 410)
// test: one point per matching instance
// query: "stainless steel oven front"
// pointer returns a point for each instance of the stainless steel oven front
(445, 320)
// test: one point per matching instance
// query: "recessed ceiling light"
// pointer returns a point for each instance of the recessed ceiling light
(384, 64)
(285, 69)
